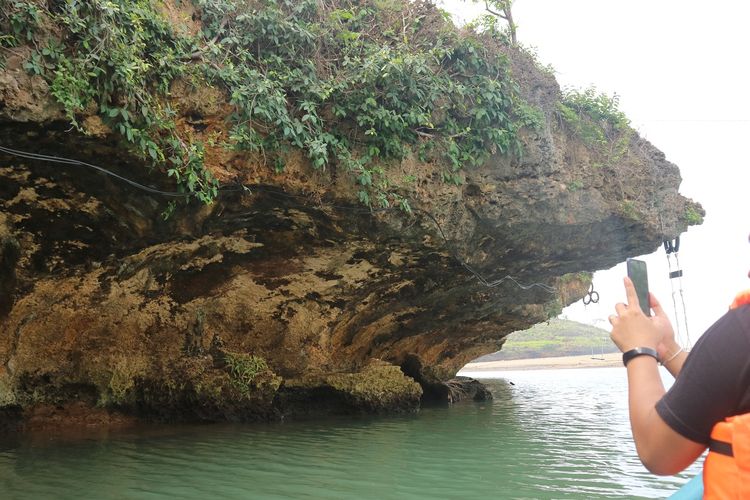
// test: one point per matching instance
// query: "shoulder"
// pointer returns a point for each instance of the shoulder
(742, 316)
(714, 382)
(735, 324)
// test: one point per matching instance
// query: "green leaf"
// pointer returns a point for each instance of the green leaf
(364, 198)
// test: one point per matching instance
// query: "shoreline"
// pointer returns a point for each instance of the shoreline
(584, 361)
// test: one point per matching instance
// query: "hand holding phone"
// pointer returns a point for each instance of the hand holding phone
(639, 276)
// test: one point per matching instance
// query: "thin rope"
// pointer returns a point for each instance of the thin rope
(682, 300)
(685, 343)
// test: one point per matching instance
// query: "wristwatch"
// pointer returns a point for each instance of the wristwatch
(639, 351)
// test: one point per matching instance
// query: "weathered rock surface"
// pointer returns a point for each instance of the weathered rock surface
(464, 389)
(104, 303)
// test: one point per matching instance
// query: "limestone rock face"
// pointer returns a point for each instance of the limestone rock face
(9, 253)
(293, 298)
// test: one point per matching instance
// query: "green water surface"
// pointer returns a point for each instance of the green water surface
(553, 434)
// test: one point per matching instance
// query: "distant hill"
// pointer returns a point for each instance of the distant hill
(559, 337)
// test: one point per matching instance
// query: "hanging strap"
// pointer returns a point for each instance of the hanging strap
(673, 247)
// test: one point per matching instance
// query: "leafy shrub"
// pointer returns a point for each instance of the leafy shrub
(118, 56)
(597, 120)
(597, 107)
(692, 216)
(243, 369)
(355, 85)
(350, 91)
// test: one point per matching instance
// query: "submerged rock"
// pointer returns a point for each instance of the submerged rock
(465, 388)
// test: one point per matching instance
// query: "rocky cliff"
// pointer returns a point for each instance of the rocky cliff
(286, 295)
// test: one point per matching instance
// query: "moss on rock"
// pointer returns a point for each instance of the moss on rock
(378, 388)
(197, 389)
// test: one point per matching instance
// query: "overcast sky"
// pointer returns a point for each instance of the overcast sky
(681, 71)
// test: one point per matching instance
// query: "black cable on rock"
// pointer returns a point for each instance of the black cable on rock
(175, 194)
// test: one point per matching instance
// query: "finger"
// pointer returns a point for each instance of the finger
(630, 293)
(655, 305)
(612, 319)
(620, 308)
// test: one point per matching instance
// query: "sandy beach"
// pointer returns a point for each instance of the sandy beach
(585, 361)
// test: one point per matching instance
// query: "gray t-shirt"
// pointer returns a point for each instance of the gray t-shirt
(714, 382)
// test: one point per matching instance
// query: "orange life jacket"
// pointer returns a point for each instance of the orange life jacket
(726, 472)
(741, 299)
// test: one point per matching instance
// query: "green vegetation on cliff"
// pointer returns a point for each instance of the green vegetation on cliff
(597, 120)
(117, 59)
(355, 85)
(558, 337)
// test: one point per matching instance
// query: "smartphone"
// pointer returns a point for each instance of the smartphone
(639, 276)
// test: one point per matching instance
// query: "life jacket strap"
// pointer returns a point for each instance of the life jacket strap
(721, 447)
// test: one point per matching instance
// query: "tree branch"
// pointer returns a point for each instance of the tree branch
(488, 9)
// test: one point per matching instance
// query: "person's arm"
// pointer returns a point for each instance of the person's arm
(661, 449)
(672, 355)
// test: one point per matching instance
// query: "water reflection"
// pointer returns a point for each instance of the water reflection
(579, 419)
(551, 435)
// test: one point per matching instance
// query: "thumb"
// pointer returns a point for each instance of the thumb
(655, 305)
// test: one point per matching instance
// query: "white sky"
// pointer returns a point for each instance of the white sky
(681, 71)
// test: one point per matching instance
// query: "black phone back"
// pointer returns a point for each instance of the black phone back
(638, 274)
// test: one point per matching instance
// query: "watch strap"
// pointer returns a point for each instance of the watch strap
(627, 356)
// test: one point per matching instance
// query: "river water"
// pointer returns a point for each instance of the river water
(550, 434)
